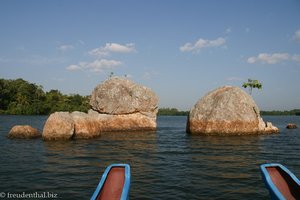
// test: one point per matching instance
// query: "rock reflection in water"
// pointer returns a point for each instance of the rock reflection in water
(85, 160)
(225, 165)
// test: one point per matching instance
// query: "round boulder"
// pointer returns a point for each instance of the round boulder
(119, 96)
(24, 131)
(59, 126)
(227, 111)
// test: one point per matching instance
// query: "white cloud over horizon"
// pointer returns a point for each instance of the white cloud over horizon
(112, 48)
(275, 58)
(99, 65)
(202, 43)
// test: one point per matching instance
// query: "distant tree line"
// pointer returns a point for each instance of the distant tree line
(172, 112)
(175, 112)
(276, 112)
(19, 97)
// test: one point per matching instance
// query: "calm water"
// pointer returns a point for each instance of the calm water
(167, 164)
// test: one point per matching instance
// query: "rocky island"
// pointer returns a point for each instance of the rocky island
(117, 104)
(227, 111)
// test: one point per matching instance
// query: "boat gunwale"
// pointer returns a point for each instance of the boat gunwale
(126, 186)
(273, 189)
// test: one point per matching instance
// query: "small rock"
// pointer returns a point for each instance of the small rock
(23, 131)
(291, 126)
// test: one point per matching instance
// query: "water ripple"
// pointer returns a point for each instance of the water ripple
(166, 164)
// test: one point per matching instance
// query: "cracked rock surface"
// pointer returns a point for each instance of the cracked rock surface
(227, 111)
(118, 104)
(119, 96)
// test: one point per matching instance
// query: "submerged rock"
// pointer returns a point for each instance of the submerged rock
(23, 131)
(227, 111)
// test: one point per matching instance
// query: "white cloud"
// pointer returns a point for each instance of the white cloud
(112, 48)
(202, 43)
(95, 66)
(228, 30)
(103, 64)
(269, 58)
(297, 36)
(81, 42)
(65, 47)
(73, 68)
(296, 58)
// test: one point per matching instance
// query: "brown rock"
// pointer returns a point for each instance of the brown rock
(119, 96)
(118, 105)
(59, 126)
(24, 131)
(291, 126)
(270, 128)
(128, 122)
(227, 111)
(86, 126)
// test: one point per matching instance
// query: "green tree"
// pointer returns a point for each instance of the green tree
(252, 84)
(20, 97)
(171, 112)
(111, 74)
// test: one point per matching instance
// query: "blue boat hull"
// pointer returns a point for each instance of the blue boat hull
(114, 184)
(281, 183)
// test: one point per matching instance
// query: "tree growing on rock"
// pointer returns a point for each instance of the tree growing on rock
(252, 84)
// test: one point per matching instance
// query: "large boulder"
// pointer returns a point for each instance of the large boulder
(59, 126)
(23, 131)
(119, 96)
(85, 126)
(126, 122)
(66, 126)
(227, 111)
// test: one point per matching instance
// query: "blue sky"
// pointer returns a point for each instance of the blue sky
(180, 49)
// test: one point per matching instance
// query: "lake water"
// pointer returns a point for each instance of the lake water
(166, 164)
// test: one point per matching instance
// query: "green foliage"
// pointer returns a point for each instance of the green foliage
(111, 75)
(277, 112)
(171, 112)
(252, 84)
(20, 97)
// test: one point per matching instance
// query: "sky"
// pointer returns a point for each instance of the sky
(181, 49)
